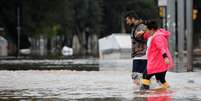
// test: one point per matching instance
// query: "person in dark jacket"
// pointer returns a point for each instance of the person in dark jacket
(138, 52)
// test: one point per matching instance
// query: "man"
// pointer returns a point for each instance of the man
(138, 45)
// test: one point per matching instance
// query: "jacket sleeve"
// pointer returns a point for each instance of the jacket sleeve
(146, 35)
(160, 42)
(139, 28)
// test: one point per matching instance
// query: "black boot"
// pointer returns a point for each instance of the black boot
(144, 87)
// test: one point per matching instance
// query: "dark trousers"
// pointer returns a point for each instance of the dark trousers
(159, 76)
(139, 65)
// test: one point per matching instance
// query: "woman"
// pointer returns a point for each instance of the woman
(158, 55)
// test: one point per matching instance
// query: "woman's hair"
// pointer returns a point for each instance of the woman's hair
(152, 25)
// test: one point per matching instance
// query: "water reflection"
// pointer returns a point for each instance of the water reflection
(48, 95)
(159, 95)
(110, 83)
(52, 95)
(153, 98)
(159, 98)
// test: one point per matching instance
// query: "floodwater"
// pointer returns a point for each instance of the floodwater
(108, 84)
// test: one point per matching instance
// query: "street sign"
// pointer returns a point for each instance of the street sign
(162, 2)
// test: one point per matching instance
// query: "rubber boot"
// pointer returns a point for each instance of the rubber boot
(165, 85)
(145, 84)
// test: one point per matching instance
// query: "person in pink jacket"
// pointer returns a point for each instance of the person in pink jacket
(158, 55)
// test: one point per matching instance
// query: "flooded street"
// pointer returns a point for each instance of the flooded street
(64, 84)
(108, 84)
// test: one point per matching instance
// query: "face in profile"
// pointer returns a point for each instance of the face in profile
(129, 21)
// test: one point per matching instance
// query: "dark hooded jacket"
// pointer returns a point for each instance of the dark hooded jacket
(138, 42)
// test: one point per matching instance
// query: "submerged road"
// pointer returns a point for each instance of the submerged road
(108, 84)
(91, 86)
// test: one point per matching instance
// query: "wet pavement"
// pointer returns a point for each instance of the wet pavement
(111, 83)
(50, 64)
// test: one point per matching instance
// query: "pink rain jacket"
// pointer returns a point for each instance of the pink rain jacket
(158, 46)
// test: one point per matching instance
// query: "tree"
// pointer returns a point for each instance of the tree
(114, 12)
(69, 17)
(87, 14)
(39, 17)
(87, 19)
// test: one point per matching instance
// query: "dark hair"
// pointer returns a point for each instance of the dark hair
(132, 14)
(152, 25)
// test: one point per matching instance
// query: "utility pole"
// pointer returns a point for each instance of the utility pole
(189, 32)
(183, 10)
(171, 26)
(181, 33)
(18, 27)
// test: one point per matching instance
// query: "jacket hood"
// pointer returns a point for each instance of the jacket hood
(163, 32)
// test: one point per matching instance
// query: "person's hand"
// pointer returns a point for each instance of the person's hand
(167, 60)
(139, 33)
